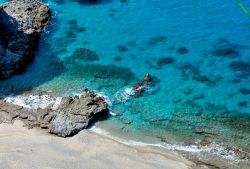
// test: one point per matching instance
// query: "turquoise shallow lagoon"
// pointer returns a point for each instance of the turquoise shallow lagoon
(199, 51)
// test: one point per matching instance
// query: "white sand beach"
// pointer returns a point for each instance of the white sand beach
(34, 149)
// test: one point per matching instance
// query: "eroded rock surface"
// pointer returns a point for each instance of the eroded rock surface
(21, 22)
(63, 116)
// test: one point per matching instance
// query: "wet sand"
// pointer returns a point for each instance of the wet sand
(27, 149)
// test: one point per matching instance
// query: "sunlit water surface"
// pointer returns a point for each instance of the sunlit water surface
(199, 52)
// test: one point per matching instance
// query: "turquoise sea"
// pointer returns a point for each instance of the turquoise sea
(198, 50)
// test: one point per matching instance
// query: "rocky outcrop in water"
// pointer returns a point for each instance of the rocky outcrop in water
(63, 116)
(21, 22)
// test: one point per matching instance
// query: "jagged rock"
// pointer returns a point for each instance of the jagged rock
(64, 116)
(21, 22)
(146, 85)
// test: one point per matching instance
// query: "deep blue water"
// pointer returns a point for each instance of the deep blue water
(202, 96)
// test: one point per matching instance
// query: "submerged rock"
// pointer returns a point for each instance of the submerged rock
(149, 85)
(245, 91)
(117, 58)
(225, 52)
(145, 84)
(182, 50)
(190, 71)
(241, 67)
(165, 61)
(153, 41)
(64, 116)
(109, 73)
(223, 48)
(122, 48)
(21, 22)
(73, 26)
(85, 55)
(242, 104)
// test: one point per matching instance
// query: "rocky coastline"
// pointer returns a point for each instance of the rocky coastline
(21, 24)
(62, 116)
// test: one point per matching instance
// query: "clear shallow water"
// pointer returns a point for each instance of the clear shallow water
(202, 97)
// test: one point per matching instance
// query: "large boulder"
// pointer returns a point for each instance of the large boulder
(63, 116)
(21, 22)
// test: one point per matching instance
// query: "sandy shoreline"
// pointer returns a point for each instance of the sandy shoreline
(26, 149)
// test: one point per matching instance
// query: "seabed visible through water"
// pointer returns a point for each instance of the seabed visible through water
(199, 51)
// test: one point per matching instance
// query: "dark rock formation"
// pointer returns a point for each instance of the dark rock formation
(64, 116)
(21, 22)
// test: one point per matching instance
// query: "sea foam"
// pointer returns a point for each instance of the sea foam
(212, 149)
(34, 101)
(124, 94)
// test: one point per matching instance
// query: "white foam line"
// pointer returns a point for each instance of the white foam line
(212, 149)
(34, 101)
(125, 94)
(42, 101)
(106, 98)
(112, 113)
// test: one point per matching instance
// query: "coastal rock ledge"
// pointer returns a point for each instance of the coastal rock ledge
(63, 116)
(21, 22)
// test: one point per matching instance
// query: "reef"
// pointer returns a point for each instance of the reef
(21, 23)
(101, 72)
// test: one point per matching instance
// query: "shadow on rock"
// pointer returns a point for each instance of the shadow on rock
(21, 23)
